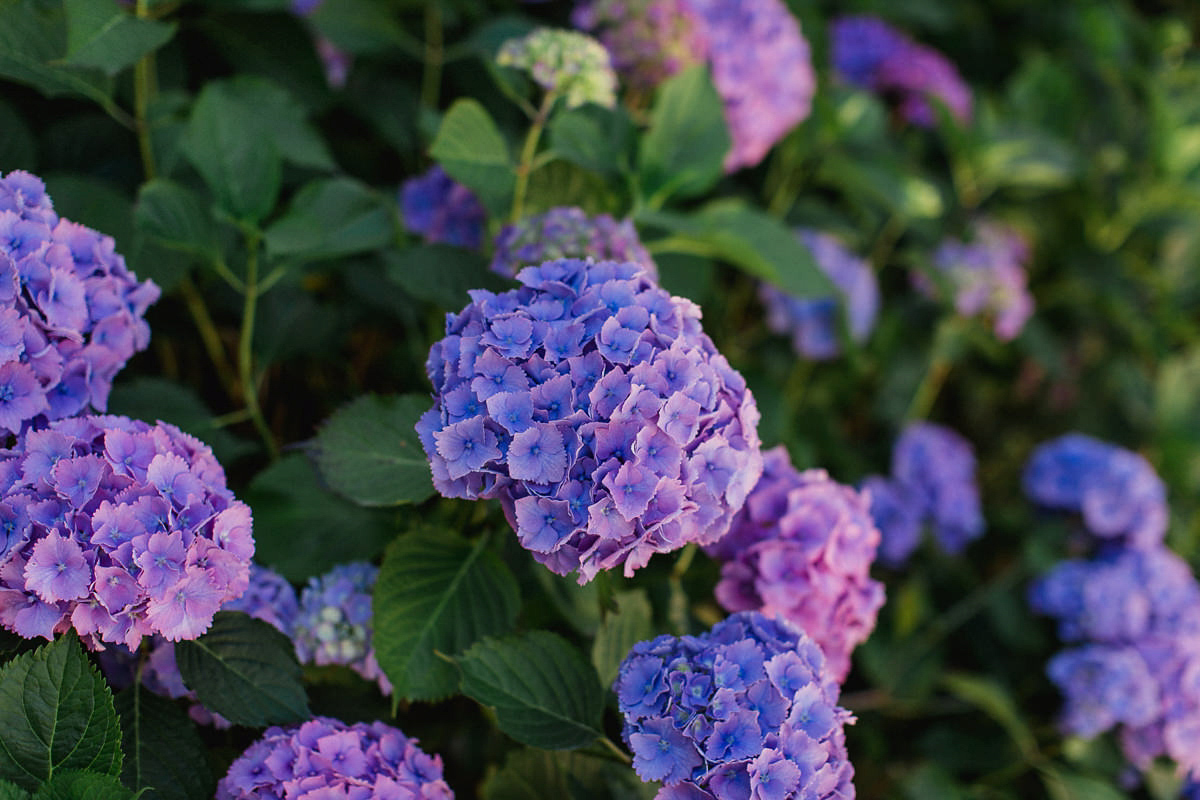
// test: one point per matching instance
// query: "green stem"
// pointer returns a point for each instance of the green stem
(939, 368)
(144, 89)
(245, 349)
(208, 335)
(684, 561)
(612, 748)
(431, 80)
(525, 167)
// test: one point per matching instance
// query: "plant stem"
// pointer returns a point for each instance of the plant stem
(144, 89)
(612, 748)
(431, 79)
(209, 337)
(935, 375)
(245, 351)
(525, 167)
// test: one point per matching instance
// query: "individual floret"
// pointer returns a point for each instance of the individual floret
(334, 623)
(801, 548)
(120, 529)
(592, 404)
(441, 210)
(325, 758)
(71, 312)
(571, 65)
(814, 322)
(568, 233)
(746, 710)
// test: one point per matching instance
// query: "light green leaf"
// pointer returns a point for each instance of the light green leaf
(164, 755)
(619, 632)
(332, 218)
(103, 35)
(472, 150)
(683, 153)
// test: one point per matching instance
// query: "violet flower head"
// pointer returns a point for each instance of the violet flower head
(801, 549)
(899, 515)
(937, 465)
(593, 405)
(327, 758)
(119, 529)
(649, 40)
(746, 710)
(441, 210)
(814, 323)
(269, 597)
(333, 625)
(71, 312)
(568, 63)
(1117, 491)
(568, 233)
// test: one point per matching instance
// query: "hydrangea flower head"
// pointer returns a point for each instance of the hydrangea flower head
(573, 65)
(1118, 493)
(746, 710)
(119, 529)
(801, 548)
(568, 232)
(593, 405)
(325, 758)
(71, 312)
(649, 40)
(269, 597)
(441, 210)
(987, 276)
(813, 323)
(333, 625)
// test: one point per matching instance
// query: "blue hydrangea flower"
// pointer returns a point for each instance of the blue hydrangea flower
(325, 758)
(592, 404)
(813, 323)
(71, 312)
(333, 625)
(568, 233)
(440, 210)
(746, 710)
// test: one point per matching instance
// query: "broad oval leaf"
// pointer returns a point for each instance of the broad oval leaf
(683, 153)
(164, 755)
(441, 274)
(437, 592)
(332, 218)
(174, 216)
(102, 35)
(472, 150)
(632, 623)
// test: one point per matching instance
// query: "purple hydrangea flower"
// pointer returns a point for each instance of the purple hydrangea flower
(119, 529)
(801, 549)
(1118, 493)
(746, 710)
(333, 625)
(649, 40)
(641, 437)
(813, 323)
(898, 515)
(870, 54)
(573, 65)
(71, 312)
(568, 233)
(987, 276)
(440, 210)
(325, 758)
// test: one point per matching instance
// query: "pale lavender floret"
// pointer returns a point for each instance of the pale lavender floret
(334, 623)
(442, 211)
(119, 529)
(71, 312)
(568, 232)
(592, 404)
(735, 712)
(813, 322)
(326, 758)
(801, 549)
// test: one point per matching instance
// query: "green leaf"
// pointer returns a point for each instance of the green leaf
(360, 27)
(472, 150)
(177, 218)
(245, 670)
(543, 692)
(593, 137)
(442, 274)
(164, 754)
(1063, 784)
(77, 785)
(293, 517)
(995, 701)
(532, 774)
(103, 35)
(883, 182)
(56, 714)
(332, 218)
(369, 452)
(95, 202)
(437, 592)
(18, 148)
(10, 791)
(683, 153)
(33, 40)
(271, 113)
(619, 632)
(1026, 159)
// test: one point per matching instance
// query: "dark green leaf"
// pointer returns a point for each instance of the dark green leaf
(332, 218)
(176, 217)
(593, 137)
(683, 153)
(532, 774)
(33, 39)
(76, 785)
(437, 592)
(103, 35)
(369, 451)
(18, 148)
(56, 714)
(441, 274)
(245, 670)
(543, 692)
(163, 752)
(1063, 784)
(472, 150)
(95, 202)
(294, 517)
(361, 27)
(632, 623)
(273, 114)
(995, 701)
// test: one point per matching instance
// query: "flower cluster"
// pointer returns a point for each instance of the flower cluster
(70, 310)
(570, 64)
(760, 62)
(440, 210)
(1118, 493)
(568, 233)
(120, 529)
(813, 323)
(801, 549)
(932, 480)
(325, 758)
(594, 406)
(987, 276)
(333, 625)
(870, 54)
(746, 710)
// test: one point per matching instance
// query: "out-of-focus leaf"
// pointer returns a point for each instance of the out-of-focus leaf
(103, 35)
(619, 632)
(472, 150)
(18, 148)
(332, 218)
(684, 151)
(898, 191)
(593, 137)
(176, 217)
(94, 202)
(995, 701)
(360, 27)
(10, 791)
(441, 274)
(1026, 160)
(33, 40)
(1063, 784)
(164, 754)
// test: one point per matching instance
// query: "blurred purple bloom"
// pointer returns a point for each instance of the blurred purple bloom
(440, 210)
(649, 40)
(333, 625)
(568, 232)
